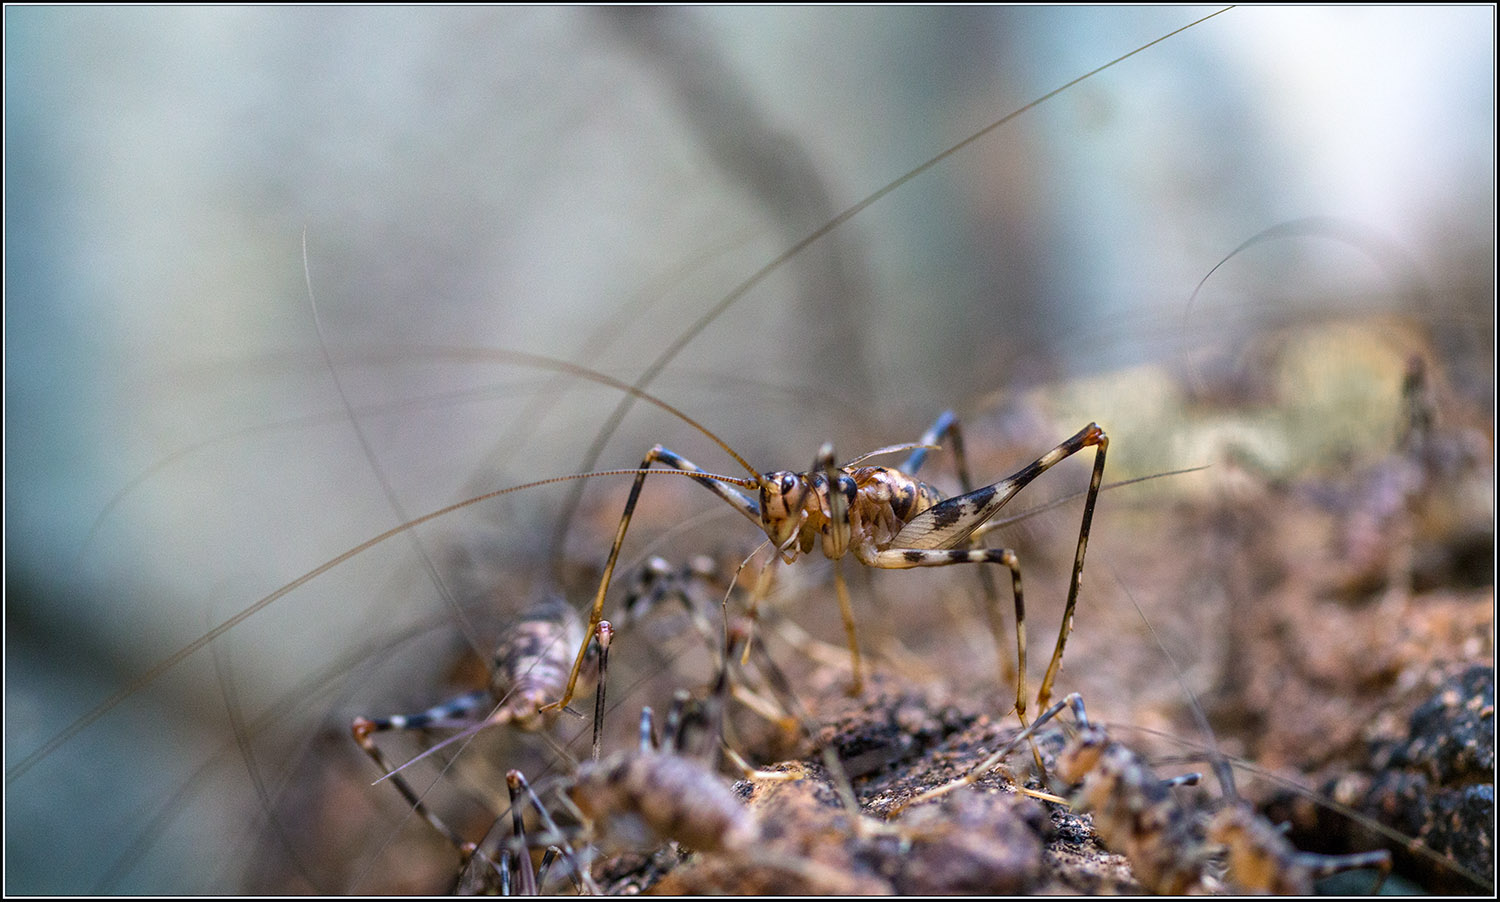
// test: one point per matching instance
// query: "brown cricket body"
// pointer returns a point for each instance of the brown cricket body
(637, 799)
(1262, 860)
(1136, 814)
(1256, 851)
(1134, 811)
(531, 662)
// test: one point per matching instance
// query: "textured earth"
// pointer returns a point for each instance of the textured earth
(1329, 629)
(1344, 646)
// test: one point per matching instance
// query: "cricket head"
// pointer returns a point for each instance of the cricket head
(782, 497)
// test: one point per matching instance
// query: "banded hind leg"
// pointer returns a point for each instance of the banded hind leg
(932, 538)
(455, 713)
(929, 540)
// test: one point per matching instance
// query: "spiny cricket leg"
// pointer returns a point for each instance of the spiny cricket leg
(517, 877)
(1327, 865)
(846, 610)
(515, 778)
(455, 713)
(603, 633)
(1091, 435)
(596, 613)
(953, 521)
(1190, 779)
(759, 591)
(525, 876)
(946, 425)
(466, 710)
(906, 558)
(364, 730)
(510, 856)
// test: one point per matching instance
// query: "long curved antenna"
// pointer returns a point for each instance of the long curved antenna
(156, 670)
(636, 391)
(1385, 253)
(471, 635)
(668, 354)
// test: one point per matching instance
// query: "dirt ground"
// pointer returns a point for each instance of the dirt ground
(1333, 625)
(1338, 627)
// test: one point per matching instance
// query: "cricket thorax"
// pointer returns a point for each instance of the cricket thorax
(875, 503)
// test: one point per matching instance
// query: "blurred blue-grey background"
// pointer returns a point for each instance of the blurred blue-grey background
(586, 184)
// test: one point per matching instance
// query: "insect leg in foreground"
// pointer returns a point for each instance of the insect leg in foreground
(514, 869)
(952, 522)
(529, 665)
(947, 426)
(636, 799)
